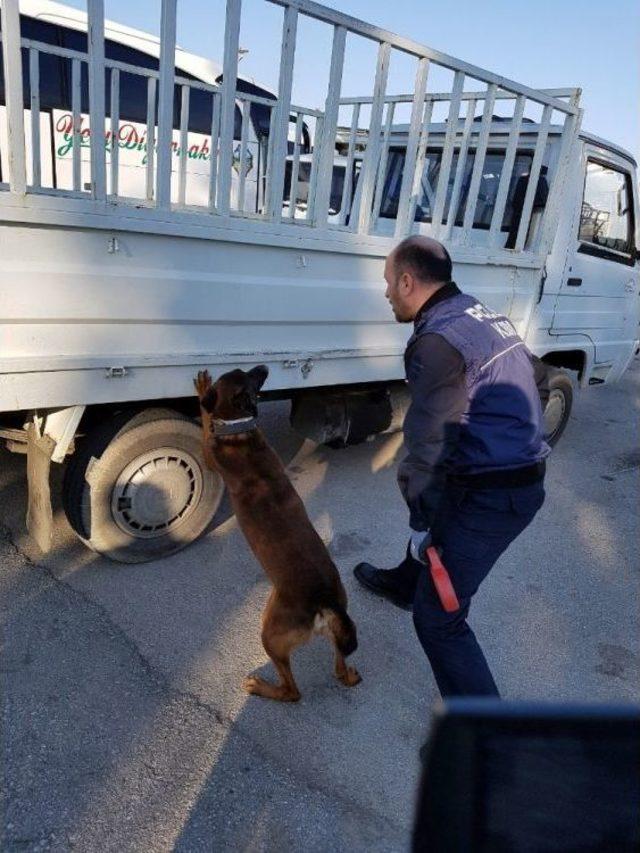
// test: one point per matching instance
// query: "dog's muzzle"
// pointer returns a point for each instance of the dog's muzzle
(235, 427)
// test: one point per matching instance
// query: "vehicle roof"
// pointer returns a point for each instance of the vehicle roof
(63, 15)
(501, 128)
(610, 146)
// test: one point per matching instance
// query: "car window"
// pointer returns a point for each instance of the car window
(606, 218)
(489, 182)
(304, 178)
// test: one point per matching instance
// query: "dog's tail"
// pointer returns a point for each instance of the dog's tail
(341, 627)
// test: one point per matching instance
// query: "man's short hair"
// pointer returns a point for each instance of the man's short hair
(431, 264)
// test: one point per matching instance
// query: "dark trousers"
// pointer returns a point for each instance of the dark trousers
(472, 529)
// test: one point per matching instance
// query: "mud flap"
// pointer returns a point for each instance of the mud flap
(39, 512)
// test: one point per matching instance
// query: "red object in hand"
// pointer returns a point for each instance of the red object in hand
(442, 582)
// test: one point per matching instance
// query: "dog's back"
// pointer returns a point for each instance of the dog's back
(275, 522)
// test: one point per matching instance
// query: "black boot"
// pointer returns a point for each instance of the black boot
(397, 585)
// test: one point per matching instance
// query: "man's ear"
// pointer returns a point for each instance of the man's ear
(258, 376)
(406, 283)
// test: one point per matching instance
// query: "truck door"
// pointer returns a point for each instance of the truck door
(599, 291)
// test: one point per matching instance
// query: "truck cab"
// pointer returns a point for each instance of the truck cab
(588, 309)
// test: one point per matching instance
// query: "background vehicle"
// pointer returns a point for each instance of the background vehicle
(114, 294)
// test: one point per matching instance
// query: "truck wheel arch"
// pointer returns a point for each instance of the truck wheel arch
(573, 359)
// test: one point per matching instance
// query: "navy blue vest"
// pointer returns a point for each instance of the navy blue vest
(502, 426)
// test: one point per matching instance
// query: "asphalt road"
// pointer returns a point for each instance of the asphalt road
(124, 724)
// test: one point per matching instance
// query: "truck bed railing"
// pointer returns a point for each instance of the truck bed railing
(459, 136)
(469, 110)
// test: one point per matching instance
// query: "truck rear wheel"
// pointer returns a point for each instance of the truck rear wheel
(558, 408)
(139, 490)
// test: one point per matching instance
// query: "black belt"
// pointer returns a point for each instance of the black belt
(501, 478)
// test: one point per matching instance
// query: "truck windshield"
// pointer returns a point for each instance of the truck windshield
(302, 189)
(489, 182)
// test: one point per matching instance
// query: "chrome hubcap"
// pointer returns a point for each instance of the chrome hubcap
(156, 492)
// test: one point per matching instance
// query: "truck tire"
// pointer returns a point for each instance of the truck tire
(558, 408)
(137, 487)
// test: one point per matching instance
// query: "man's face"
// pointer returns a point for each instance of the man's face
(398, 291)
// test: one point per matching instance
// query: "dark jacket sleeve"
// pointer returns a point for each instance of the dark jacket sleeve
(437, 385)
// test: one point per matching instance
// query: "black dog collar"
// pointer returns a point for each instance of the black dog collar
(235, 427)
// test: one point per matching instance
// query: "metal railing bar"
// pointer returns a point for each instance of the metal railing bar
(382, 168)
(478, 163)
(215, 133)
(12, 65)
(115, 129)
(420, 164)
(244, 138)
(507, 171)
(34, 100)
(370, 162)
(330, 123)
(295, 168)
(557, 182)
(307, 111)
(460, 170)
(151, 137)
(446, 96)
(411, 152)
(532, 185)
(75, 126)
(281, 127)
(165, 102)
(348, 177)
(228, 105)
(313, 177)
(370, 31)
(95, 52)
(184, 145)
(447, 154)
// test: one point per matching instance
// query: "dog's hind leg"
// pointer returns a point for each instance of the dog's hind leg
(341, 632)
(348, 675)
(279, 641)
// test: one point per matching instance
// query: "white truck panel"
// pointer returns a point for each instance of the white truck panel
(178, 303)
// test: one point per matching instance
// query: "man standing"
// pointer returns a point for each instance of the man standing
(473, 477)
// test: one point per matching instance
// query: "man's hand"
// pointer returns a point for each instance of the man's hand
(419, 541)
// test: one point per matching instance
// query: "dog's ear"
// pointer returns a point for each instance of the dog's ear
(258, 376)
(208, 402)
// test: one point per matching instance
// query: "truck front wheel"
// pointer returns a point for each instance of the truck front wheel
(140, 490)
(558, 407)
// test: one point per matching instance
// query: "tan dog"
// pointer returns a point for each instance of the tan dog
(307, 597)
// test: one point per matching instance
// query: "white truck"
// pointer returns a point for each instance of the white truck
(220, 225)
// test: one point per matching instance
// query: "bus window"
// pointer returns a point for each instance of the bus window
(51, 67)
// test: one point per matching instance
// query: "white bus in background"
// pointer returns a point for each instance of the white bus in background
(61, 26)
(121, 276)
